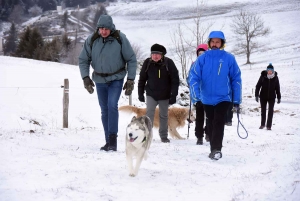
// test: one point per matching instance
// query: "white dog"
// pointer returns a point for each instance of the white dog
(138, 140)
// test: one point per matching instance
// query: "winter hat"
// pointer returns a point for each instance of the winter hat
(158, 49)
(270, 67)
(201, 47)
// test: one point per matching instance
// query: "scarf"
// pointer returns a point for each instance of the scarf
(271, 76)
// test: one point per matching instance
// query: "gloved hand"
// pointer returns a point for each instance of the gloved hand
(172, 100)
(236, 107)
(142, 98)
(256, 98)
(128, 87)
(88, 84)
(278, 101)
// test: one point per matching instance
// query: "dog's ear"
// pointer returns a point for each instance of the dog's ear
(143, 119)
(133, 118)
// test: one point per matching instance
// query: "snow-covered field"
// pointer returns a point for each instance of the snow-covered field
(42, 161)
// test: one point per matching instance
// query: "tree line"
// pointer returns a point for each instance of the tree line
(11, 7)
(31, 45)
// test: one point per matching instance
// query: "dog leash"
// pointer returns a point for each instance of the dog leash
(189, 119)
(239, 122)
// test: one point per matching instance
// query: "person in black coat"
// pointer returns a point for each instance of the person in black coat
(267, 89)
(159, 78)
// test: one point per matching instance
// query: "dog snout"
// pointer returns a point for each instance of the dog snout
(130, 134)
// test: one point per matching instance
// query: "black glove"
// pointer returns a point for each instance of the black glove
(236, 107)
(256, 98)
(279, 100)
(128, 87)
(172, 100)
(142, 98)
(88, 84)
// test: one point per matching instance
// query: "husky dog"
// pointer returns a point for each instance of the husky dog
(138, 140)
(176, 119)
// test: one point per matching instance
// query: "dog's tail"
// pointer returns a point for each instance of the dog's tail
(130, 108)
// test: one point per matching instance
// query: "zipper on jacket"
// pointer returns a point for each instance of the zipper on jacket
(220, 68)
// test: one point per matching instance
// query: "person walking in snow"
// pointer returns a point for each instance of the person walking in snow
(159, 78)
(108, 52)
(267, 89)
(200, 114)
(216, 82)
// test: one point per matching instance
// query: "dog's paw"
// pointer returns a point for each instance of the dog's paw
(132, 174)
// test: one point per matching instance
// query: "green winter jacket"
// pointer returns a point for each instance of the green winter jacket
(107, 55)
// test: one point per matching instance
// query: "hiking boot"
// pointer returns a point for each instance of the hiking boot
(199, 141)
(104, 148)
(261, 127)
(165, 140)
(112, 146)
(207, 138)
(215, 155)
(269, 128)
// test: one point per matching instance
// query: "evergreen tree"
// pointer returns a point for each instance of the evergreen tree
(50, 51)
(10, 45)
(23, 43)
(30, 41)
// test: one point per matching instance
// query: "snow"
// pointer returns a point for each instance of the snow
(40, 160)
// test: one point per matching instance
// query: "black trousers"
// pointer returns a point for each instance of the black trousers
(215, 123)
(263, 104)
(200, 116)
(229, 113)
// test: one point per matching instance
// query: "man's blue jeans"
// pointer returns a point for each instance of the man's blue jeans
(108, 97)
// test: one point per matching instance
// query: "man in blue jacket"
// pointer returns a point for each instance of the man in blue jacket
(216, 82)
(111, 56)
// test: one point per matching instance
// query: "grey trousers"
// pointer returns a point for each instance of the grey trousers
(163, 114)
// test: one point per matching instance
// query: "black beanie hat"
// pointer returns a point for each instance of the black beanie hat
(270, 67)
(158, 49)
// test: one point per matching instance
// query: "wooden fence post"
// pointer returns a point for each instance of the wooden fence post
(66, 103)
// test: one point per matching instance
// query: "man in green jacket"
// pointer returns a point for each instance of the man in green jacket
(111, 57)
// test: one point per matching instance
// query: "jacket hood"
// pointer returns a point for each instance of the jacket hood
(106, 22)
(217, 34)
(264, 73)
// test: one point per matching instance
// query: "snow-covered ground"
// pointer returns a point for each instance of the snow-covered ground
(42, 161)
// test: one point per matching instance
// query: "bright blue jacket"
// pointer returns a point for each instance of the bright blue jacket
(215, 77)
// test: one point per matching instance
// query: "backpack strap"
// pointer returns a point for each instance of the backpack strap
(165, 63)
(116, 35)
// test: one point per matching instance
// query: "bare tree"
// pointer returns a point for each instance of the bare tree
(200, 30)
(181, 48)
(248, 26)
(35, 10)
(185, 44)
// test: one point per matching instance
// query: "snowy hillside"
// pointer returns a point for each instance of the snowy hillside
(42, 161)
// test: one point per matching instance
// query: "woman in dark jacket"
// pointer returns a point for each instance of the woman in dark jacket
(267, 89)
(159, 78)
